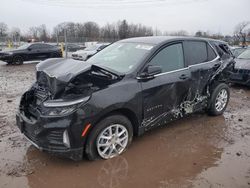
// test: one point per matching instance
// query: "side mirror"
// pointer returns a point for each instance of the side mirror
(150, 71)
(153, 70)
(29, 48)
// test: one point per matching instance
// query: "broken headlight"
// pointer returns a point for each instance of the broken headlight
(59, 111)
(60, 107)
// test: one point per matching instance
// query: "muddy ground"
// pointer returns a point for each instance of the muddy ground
(198, 151)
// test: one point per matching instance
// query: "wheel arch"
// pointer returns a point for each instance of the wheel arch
(125, 112)
(121, 111)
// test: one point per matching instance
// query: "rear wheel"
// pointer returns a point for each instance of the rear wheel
(109, 138)
(219, 99)
(55, 55)
(17, 60)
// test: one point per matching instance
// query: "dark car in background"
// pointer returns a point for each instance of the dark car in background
(30, 52)
(241, 73)
(95, 108)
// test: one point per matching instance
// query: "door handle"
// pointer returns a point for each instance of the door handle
(183, 76)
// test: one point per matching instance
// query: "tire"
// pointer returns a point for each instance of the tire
(94, 150)
(219, 100)
(55, 55)
(17, 60)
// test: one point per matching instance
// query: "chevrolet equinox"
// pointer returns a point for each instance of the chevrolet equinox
(94, 108)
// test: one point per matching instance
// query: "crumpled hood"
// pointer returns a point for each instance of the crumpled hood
(54, 75)
(63, 69)
(242, 64)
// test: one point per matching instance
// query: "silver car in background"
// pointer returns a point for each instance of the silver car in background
(83, 55)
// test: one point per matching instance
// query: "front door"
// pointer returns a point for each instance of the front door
(164, 94)
(37, 52)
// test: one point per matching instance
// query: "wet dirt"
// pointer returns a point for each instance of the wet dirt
(197, 151)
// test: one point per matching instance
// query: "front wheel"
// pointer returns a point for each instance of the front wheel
(219, 99)
(17, 60)
(109, 138)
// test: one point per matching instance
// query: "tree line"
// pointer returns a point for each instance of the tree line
(88, 31)
(91, 31)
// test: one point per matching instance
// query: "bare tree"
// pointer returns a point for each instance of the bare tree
(33, 32)
(3, 29)
(204, 34)
(178, 33)
(43, 33)
(109, 32)
(91, 30)
(123, 29)
(240, 32)
(15, 32)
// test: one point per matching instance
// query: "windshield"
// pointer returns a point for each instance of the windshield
(245, 54)
(25, 46)
(121, 57)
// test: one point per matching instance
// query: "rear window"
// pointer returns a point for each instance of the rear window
(210, 53)
(195, 52)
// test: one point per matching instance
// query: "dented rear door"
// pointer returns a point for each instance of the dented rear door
(202, 62)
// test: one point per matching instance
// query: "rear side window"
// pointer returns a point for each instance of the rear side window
(35, 46)
(170, 58)
(210, 53)
(195, 52)
(40, 46)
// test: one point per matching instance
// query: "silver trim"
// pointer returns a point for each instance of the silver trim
(61, 103)
(205, 62)
(33, 143)
(182, 68)
(171, 72)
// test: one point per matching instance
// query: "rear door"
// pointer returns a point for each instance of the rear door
(38, 52)
(202, 62)
(163, 94)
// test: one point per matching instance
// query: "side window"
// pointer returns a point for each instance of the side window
(170, 58)
(210, 53)
(36, 46)
(33, 46)
(46, 46)
(195, 52)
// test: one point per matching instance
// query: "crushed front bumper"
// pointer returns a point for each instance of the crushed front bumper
(47, 139)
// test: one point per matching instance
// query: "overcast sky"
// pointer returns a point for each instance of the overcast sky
(167, 15)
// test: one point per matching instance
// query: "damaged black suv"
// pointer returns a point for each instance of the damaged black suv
(95, 108)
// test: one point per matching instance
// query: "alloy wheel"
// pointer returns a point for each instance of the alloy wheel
(221, 100)
(112, 141)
